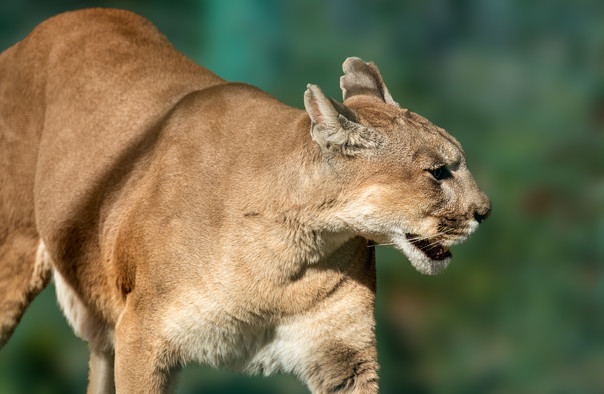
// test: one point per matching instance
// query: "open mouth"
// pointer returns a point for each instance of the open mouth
(433, 250)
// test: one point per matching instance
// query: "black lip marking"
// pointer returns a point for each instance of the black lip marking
(432, 249)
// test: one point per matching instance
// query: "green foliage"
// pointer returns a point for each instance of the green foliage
(520, 84)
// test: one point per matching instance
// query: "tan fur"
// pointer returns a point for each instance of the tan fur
(189, 219)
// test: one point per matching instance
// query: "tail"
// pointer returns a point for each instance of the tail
(24, 272)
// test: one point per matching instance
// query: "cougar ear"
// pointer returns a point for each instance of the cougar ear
(362, 78)
(334, 127)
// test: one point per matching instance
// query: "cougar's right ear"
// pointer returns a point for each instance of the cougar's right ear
(334, 126)
(361, 78)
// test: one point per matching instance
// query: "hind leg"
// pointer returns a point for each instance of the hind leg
(24, 272)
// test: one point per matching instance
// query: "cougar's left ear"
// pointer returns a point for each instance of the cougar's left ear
(362, 78)
(334, 126)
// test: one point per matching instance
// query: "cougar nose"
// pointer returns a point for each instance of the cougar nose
(482, 214)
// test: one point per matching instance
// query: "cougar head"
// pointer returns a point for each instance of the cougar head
(401, 180)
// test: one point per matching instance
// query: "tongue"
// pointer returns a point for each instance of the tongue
(433, 250)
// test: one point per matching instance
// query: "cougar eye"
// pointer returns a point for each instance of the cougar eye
(440, 173)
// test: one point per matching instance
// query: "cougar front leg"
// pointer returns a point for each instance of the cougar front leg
(100, 375)
(93, 330)
(331, 348)
(142, 363)
(338, 368)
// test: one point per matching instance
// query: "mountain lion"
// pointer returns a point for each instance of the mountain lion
(187, 219)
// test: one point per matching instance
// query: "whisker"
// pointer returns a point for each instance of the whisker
(374, 245)
(419, 238)
(425, 237)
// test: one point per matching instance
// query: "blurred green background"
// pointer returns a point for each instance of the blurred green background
(519, 83)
